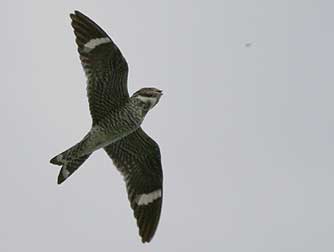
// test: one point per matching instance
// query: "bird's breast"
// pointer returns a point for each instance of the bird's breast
(116, 126)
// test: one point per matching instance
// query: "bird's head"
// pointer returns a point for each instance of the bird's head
(148, 96)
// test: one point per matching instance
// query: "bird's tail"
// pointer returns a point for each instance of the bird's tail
(70, 161)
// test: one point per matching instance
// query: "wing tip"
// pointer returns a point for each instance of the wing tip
(146, 240)
(76, 13)
(78, 16)
(73, 14)
(148, 220)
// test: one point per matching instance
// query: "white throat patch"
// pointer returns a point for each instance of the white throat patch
(145, 99)
(145, 199)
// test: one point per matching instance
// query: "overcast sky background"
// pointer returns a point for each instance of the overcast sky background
(246, 133)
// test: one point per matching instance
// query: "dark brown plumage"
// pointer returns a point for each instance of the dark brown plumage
(116, 120)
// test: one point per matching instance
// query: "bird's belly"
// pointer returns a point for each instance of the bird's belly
(101, 139)
(114, 128)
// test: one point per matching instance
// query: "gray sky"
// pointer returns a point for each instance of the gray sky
(246, 132)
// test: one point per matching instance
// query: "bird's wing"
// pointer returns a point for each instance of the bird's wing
(105, 67)
(137, 157)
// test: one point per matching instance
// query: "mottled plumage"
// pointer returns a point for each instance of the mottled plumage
(116, 120)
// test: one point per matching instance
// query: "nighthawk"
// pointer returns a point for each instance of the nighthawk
(116, 120)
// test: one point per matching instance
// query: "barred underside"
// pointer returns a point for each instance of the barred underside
(134, 153)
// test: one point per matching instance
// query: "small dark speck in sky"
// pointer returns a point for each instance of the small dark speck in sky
(249, 44)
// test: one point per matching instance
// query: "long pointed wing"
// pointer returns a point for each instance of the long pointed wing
(137, 157)
(105, 67)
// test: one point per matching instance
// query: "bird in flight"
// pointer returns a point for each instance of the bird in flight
(116, 120)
